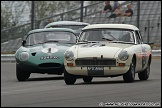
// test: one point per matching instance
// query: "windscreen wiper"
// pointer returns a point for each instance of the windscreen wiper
(107, 39)
(83, 42)
(122, 42)
(51, 41)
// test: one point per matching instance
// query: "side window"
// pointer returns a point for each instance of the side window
(138, 37)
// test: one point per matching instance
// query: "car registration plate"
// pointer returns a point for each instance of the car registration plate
(95, 70)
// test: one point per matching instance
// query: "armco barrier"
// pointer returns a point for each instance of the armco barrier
(7, 57)
(11, 57)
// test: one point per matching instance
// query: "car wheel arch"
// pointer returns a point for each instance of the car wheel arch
(129, 76)
(21, 74)
(134, 60)
(150, 59)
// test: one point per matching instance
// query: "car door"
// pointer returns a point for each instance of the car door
(144, 52)
(139, 54)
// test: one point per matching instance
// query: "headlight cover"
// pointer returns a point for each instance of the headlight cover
(23, 56)
(123, 55)
(69, 55)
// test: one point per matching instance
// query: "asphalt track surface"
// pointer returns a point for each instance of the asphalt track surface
(42, 90)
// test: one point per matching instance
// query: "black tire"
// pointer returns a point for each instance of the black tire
(87, 79)
(144, 75)
(21, 75)
(130, 75)
(68, 78)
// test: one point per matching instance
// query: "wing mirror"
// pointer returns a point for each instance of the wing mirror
(23, 42)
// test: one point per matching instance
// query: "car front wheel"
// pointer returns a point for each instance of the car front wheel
(130, 75)
(69, 79)
(21, 75)
(144, 75)
(87, 79)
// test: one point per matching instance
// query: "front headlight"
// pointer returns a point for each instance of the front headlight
(23, 56)
(123, 55)
(69, 55)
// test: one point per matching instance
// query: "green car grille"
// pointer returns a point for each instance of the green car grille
(47, 65)
(95, 62)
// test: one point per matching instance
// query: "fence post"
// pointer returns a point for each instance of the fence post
(148, 38)
(138, 13)
(85, 11)
(81, 13)
(62, 15)
(32, 16)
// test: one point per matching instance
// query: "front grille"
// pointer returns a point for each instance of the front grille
(98, 62)
(46, 65)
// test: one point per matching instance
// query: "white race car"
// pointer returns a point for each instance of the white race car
(108, 50)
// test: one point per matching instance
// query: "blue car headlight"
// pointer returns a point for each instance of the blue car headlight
(123, 55)
(69, 55)
(23, 56)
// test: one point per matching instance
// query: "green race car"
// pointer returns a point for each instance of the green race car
(42, 51)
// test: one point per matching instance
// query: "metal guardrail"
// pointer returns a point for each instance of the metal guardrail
(156, 53)
(7, 57)
(11, 57)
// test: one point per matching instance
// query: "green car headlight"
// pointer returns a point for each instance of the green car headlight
(123, 55)
(23, 56)
(69, 55)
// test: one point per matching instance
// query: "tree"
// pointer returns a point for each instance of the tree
(15, 13)
(5, 16)
(11, 13)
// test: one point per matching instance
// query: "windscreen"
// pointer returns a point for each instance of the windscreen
(76, 28)
(43, 37)
(107, 35)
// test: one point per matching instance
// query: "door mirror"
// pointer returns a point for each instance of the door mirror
(23, 42)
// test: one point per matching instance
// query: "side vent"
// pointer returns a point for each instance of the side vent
(33, 54)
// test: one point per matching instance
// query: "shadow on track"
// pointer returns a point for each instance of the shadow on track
(112, 82)
(45, 78)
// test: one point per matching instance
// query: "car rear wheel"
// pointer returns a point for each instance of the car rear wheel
(130, 75)
(69, 79)
(144, 75)
(21, 75)
(87, 79)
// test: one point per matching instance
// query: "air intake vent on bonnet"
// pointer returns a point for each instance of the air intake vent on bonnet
(33, 54)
